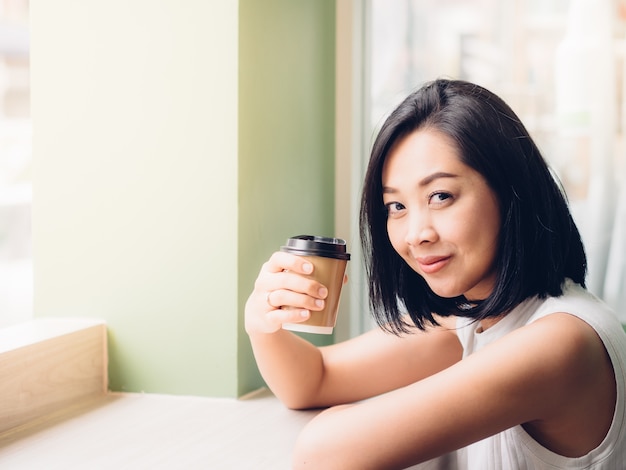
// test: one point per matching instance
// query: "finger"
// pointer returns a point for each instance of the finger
(281, 261)
(289, 281)
(281, 298)
(268, 300)
(288, 315)
(260, 317)
(298, 283)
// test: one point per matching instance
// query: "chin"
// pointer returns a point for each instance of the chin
(449, 291)
(446, 293)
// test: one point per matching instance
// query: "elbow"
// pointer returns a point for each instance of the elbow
(298, 406)
(298, 402)
(320, 445)
(309, 450)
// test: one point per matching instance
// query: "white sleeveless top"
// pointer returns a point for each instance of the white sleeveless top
(515, 449)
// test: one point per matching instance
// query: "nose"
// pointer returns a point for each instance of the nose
(420, 230)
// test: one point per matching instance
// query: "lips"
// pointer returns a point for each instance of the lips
(432, 264)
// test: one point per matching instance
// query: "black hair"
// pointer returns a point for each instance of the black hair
(539, 245)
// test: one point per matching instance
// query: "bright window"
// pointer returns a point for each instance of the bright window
(558, 63)
(16, 279)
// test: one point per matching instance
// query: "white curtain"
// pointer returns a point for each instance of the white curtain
(559, 64)
(587, 91)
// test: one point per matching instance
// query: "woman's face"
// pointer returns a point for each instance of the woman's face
(443, 219)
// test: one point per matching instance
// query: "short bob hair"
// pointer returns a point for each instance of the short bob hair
(539, 245)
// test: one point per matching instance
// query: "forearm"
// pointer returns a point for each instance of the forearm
(292, 367)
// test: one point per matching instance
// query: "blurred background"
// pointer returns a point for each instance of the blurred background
(16, 272)
(560, 64)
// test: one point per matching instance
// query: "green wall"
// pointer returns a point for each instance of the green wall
(286, 135)
(176, 144)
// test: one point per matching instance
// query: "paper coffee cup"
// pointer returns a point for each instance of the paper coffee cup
(329, 258)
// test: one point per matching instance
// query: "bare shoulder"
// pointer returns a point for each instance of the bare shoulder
(565, 341)
(556, 353)
(570, 374)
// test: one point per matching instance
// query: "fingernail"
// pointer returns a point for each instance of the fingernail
(323, 292)
(319, 302)
(304, 313)
(307, 268)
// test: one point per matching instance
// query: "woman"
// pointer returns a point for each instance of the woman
(490, 353)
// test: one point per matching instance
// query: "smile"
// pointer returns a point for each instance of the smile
(432, 264)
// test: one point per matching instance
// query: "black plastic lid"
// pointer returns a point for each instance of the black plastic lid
(312, 245)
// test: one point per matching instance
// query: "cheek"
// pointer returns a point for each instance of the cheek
(477, 228)
(394, 232)
(485, 245)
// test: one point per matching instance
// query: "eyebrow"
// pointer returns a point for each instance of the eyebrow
(425, 181)
(435, 176)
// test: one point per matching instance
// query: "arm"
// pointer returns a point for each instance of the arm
(304, 376)
(525, 378)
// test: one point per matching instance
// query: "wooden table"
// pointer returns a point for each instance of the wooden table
(145, 431)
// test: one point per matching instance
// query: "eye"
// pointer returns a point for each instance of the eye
(439, 198)
(394, 208)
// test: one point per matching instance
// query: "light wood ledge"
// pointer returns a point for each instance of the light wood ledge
(148, 431)
(49, 364)
(56, 413)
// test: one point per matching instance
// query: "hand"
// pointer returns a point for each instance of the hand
(283, 294)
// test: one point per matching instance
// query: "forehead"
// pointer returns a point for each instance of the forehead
(422, 153)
